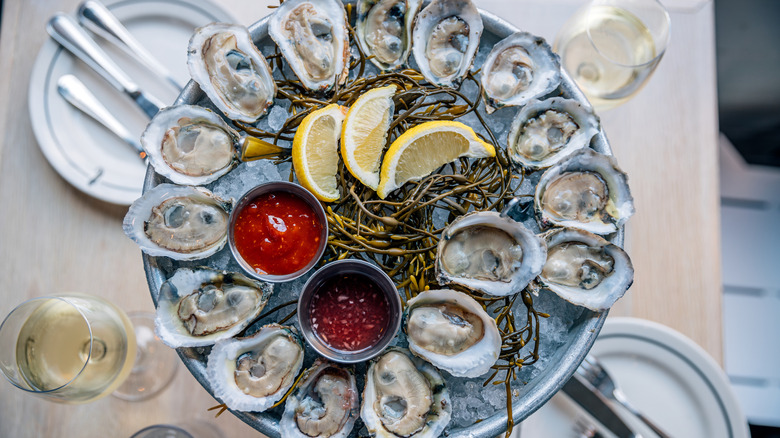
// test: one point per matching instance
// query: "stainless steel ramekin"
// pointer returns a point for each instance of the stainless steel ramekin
(278, 186)
(341, 267)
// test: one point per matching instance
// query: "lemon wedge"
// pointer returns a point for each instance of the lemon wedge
(364, 134)
(426, 147)
(315, 151)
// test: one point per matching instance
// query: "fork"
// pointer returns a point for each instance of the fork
(592, 370)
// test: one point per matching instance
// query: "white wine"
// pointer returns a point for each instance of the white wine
(53, 348)
(611, 64)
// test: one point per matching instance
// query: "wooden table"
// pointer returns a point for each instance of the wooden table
(54, 239)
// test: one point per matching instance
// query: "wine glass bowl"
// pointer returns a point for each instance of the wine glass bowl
(611, 47)
(69, 348)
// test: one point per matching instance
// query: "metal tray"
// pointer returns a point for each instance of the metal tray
(535, 384)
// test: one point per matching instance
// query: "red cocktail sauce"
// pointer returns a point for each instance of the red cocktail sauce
(349, 312)
(278, 233)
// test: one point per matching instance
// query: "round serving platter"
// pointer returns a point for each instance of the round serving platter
(566, 336)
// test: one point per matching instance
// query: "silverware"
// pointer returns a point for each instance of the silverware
(77, 94)
(599, 378)
(597, 405)
(97, 18)
(72, 37)
(584, 429)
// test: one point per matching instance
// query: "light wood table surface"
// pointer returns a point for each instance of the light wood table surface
(55, 239)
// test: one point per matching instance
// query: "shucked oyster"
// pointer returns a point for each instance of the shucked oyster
(312, 36)
(180, 222)
(587, 190)
(226, 64)
(199, 307)
(384, 30)
(584, 269)
(546, 131)
(404, 397)
(490, 253)
(325, 403)
(253, 373)
(446, 38)
(452, 331)
(190, 145)
(519, 68)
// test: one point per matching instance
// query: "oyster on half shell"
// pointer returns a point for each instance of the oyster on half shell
(489, 252)
(587, 190)
(312, 36)
(198, 307)
(190, 145)
(180, 222)
(445, 39)
(253, 373)
(585, 269)
(384, 30)
(546, 131)
(519, 68)
(232, 72)
(404, 396)
(452, 331)
(324, 405)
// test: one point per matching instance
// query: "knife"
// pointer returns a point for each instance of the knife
(597, 406)
(72, 37)
(77, 94)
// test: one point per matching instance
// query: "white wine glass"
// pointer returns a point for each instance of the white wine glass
(611, 47)
(76, 348)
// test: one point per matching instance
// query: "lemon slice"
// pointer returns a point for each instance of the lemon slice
(315, 151)
(364, 134)
(426, 147)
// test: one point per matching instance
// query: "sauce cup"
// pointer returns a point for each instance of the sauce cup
(345, 267)
(275, 187)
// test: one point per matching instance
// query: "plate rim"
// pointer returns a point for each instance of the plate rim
(39, 111)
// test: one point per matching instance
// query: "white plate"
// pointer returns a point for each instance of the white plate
(82, 151)
(664, 374)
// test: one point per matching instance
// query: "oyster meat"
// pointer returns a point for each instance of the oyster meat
(190, 145)
(198, 307)
(519, 68)
(587, 190)
(546, 131)
(452, 331)
(232, 72)
(384, 30)
(180, 222)
(325, 403)
(404, 397)
(253, 373)
(489, 252)
(445, 39)
(312, 36)
(585, 269)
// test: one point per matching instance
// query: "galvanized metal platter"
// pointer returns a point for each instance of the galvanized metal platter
(566, 337)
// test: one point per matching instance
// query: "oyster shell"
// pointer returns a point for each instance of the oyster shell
(519, 68)
(547, 131)
(190, 145)
(384, 30)
(489, 252)
(587, 190)
(253, 373)
(180, 222)
(325, 403)
(452, 331)
(585, 269)
(445, 39)
(405, 397)
(232, 72)
(312, 36)
(198, 307)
